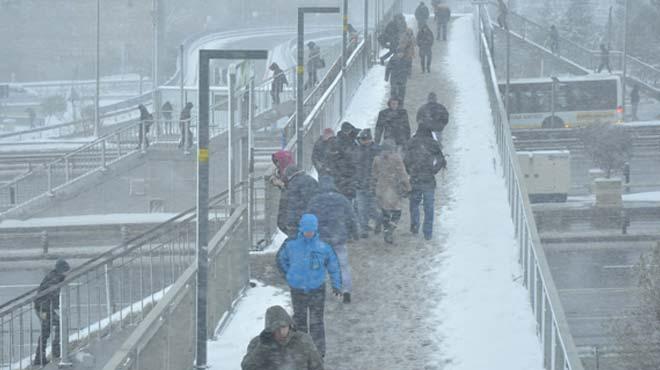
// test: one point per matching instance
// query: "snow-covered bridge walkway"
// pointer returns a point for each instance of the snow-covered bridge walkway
(450, 303)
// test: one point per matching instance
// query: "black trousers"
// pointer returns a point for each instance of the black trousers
(425, 56)
(604, 63)
(312, 302)
(49, 320)
(188, 136)
(398, 90)
(442, 31)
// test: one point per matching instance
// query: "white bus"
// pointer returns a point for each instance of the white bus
(578, 101)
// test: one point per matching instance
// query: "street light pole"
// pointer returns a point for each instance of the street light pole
(625, 57)
(97, 119)
(154, 78)
(344, 53)
(508, 70)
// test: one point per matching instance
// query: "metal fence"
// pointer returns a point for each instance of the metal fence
(117, 289)
(558, 348)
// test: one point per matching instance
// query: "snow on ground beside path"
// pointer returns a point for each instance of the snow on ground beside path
(247, 322)
(487, 319)
(369, 99)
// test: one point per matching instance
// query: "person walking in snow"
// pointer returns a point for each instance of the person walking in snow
(553, 37)
(305, 261)
(604, 59)
(366, 198)
(184, 126)
(277, 85)
(423, 160)
(397, 72)
(407, 48)
(300, 188)
(393, 124)
(442, 18)
(425, 44)
(47, 308)
(325, 154)
(503, 12)
(422, 14)
(281, 159)
(281, 346)
(389, 38)
(314, 63)
(433, 114)
(337, 223)
(146, 120)
(390, 184)
(345, 173)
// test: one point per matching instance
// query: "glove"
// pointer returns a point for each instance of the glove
(337, 292)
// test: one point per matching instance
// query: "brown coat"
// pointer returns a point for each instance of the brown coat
(407, 44)
(391, 180)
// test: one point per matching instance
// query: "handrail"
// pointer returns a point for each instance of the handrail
(560, 352)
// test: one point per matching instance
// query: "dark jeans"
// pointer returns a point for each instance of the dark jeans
(604, 63)
(188, 135)
(146, 137)
(425, 57)
(48, 320)
(275, 94)
(398, 90)
(417, 196)
(367, 209)
(314, 303)
(442, 29)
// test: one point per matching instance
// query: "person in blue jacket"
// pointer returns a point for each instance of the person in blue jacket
(305, 262)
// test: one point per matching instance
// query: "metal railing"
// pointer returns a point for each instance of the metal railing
(584, 56)
(113, 291)
(558, 348)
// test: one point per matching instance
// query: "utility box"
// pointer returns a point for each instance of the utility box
(547, 174)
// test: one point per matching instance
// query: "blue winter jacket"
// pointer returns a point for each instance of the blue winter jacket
(305, 261)
(337, 221)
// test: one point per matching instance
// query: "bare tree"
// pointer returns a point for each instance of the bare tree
(608, 146)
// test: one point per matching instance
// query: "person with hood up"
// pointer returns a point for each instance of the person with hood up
(47, 308)
(325, 154)
(425, 44)
(281, 159)
(422, 14)
(390, 186)
(389, 38)
(184, 126)
(433, 114)
(337, 223)
(397, 73)
(277, 85)
(346, 146)
(146, 120)
(305, 261)
(393, 124)
(280, 346)
(367, 207)
(300, 188)
(423, 160)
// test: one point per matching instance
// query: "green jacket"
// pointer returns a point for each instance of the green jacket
(298, 353)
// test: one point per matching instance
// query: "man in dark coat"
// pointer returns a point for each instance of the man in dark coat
(300, 188)
(442, 18)
(277, 85)
(146, 120)
(325, 154)
(425, 44)
(345, 173)
(281, 346)
(47, 308)
(423, 160)
(305, 262)
(366, 198)
(393, 124)
(397, 72)
(337, 223)
(433, 114)
(184, 126)
(389, 38)
(421, 14)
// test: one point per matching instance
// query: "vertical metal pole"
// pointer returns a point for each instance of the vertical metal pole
(552, 103)
(508, 71)
(230, 129)
(154, 91)
(202, 208)
(344, 56)
(64, 328)
(97, 119)
(181, 77)
(250, 199)
(300, 75)
(625, 57)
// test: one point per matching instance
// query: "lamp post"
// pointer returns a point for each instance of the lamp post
(205, 57)
(625, 57)
(300, 75)
(97, 119)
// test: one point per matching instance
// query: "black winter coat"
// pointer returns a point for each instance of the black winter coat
(299, 190)
(325, 156)
(364, 163)
(397, 70)
(390, 36)
(337, 221)
(434, 115)
(423, 160)
(425, 38)
(422, 13)
(50, 301)
(394, 125)
(344, 175)
(279, 80)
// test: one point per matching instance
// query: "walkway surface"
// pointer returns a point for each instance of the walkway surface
(452, 302)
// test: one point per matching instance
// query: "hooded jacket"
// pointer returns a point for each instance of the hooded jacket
(423, 159)
(337, 221)
(51, 301)
(300, 189)
(304, 261)
(346, 147)
(393, 124)
(390, 179)
(296, 353)
(434, 115)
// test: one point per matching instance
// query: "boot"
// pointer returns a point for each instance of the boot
(347, 298)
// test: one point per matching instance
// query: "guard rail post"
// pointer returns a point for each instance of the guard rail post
(103, 159)
(67, 173)
(44, 242)
(64, 328)
(118, 144)
(50, 179)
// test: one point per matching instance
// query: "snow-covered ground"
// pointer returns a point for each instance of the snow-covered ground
(487, 322)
